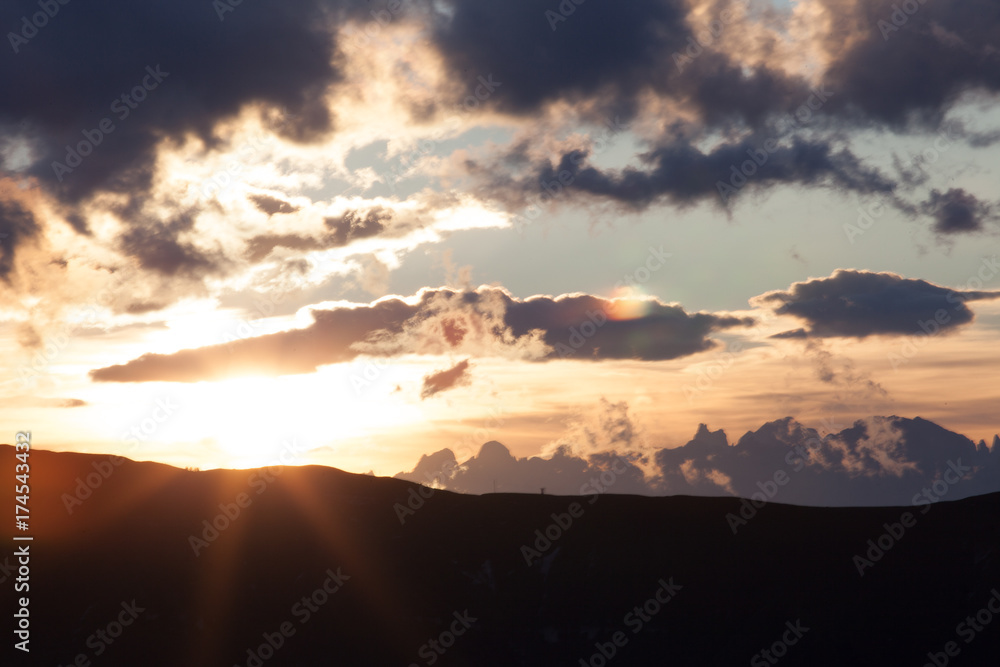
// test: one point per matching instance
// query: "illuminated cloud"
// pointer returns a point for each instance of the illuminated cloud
(495, 324)
(456, 376)
(875, 461)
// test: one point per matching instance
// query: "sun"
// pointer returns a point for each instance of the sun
(259, 421)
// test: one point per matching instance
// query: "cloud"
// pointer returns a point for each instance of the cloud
(730, 97)
(24, 402)
(196, 77)
(956, 211)
(560, 474)
(483, 322)
(875, 461)
(851, 388)
(272, 205)
(17, 226)
(158, 247)
(456, 376)
(606, 60)
(339, 231)
(857, 304)
(201, 80)
(601, 49)
(681, 174)
(600, 451)
(260, 246)
(124, 86)
(328, 340)
(609, 427)
(898, 74)
(181, 78)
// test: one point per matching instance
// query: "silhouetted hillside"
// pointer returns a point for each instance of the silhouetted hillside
(387, 571)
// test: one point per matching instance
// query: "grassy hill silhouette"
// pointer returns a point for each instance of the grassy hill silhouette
(316, 566)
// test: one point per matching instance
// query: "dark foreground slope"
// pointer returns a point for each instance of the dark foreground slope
(378, 591)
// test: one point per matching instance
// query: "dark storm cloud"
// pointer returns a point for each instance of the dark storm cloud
(605, 53)
(603, 48)
(899, 65)
(575, 327)
(902, 72)
(180, 69)
(912, 66)
(272, 205)
(117, 82)
(456, 376)
(857, 304)
(94, 89)
(956, 211)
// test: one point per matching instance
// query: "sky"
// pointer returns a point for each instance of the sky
(357, 233)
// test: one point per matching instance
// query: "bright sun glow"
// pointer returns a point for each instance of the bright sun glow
(262, 421)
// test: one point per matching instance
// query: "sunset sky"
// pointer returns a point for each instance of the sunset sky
(376, 230)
